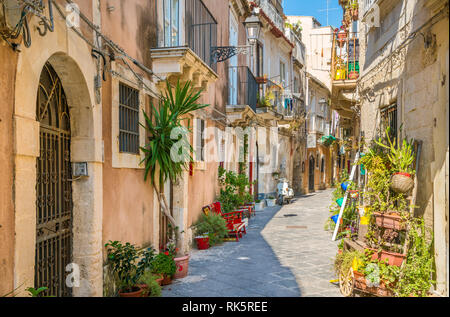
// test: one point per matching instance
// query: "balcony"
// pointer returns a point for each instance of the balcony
(184, 49)
(345, 72)
(272, 12)
(242, 94)
(345, 59)
(299, 49)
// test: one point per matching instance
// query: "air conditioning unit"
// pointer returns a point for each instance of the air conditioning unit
(10, 15)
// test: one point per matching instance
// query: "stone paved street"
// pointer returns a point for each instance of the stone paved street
(286, 253)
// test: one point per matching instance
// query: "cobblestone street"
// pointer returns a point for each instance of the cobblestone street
(286, 252)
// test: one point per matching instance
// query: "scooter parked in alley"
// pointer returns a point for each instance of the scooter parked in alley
(285, 193)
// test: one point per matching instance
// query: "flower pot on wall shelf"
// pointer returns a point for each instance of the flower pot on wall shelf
(392, 257)
(262, 80)
(402, 183)
(394, 222)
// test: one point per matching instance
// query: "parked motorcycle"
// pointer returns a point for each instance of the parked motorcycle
(285, 193)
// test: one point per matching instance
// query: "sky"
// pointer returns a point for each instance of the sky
(313, 7)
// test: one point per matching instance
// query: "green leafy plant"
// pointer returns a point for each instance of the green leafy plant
(164, 264)
(372, 275)
(153, 288)
(266, 100)
(416, 277)
(401, 157)
(212, 225)
(36, 292)
(163, 152)
(234, 190)
(344, 260)
(122, 259)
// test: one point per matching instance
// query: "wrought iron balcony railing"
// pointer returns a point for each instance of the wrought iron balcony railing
(242, 87)
(345, 56)
(271, 11)
(200, 28)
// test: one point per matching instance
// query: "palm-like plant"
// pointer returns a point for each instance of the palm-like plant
(168, 149)
(401, 157)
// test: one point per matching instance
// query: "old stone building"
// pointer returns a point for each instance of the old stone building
(404, 85)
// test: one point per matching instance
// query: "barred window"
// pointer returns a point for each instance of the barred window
(389, 119)
(128, 119)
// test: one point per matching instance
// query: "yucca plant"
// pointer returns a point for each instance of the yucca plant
(168, 150)
(401, 157)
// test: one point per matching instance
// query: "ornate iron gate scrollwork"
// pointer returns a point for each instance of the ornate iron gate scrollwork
(53, 187)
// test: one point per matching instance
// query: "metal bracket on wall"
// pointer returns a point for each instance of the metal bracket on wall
(222, 53)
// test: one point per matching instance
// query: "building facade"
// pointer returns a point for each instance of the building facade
(404, 85)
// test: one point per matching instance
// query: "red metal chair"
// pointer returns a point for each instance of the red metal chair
(235, 225)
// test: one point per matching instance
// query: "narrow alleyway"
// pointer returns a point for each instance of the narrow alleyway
(286, 253)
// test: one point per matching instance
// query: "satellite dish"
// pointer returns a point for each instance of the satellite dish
(10, 15)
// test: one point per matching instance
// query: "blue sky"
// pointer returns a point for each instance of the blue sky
(312, 7)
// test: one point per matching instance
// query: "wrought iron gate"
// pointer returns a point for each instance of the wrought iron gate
(53, 187)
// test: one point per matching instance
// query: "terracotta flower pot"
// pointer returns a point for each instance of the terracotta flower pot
(167, 280)
(401, 183)
(394, 222)
(353, 75)
(160, 279)
(136, 292)
(182, 267)
(392, 257)
(360, 283)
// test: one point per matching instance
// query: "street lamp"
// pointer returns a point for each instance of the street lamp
(252, 28)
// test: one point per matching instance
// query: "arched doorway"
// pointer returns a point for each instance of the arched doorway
(311, 173)
(53, 186)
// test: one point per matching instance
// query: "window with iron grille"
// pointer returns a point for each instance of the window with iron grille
(200, 141)
(389, 119)
(128, 119)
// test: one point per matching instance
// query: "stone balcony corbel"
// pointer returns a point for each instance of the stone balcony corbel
(181, 64)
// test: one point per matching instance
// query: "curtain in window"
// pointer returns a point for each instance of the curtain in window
(171, 22)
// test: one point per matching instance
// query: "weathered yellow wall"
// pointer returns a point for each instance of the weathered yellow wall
(8, 60)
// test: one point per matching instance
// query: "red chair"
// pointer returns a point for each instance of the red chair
(235, 225)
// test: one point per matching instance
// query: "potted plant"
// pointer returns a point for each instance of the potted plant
(259, 205)
(212, 226)
(354, 8)
(150, 283)
(164, 264)
(271, 201)
(262, 79)
(342, 36)
(390, 221)
(202, 242)
(401, 159)
(174, 106)
(181, 259)
(122, 258)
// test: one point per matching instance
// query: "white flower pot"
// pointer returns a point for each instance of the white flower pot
(271, 202)
(259, 206)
